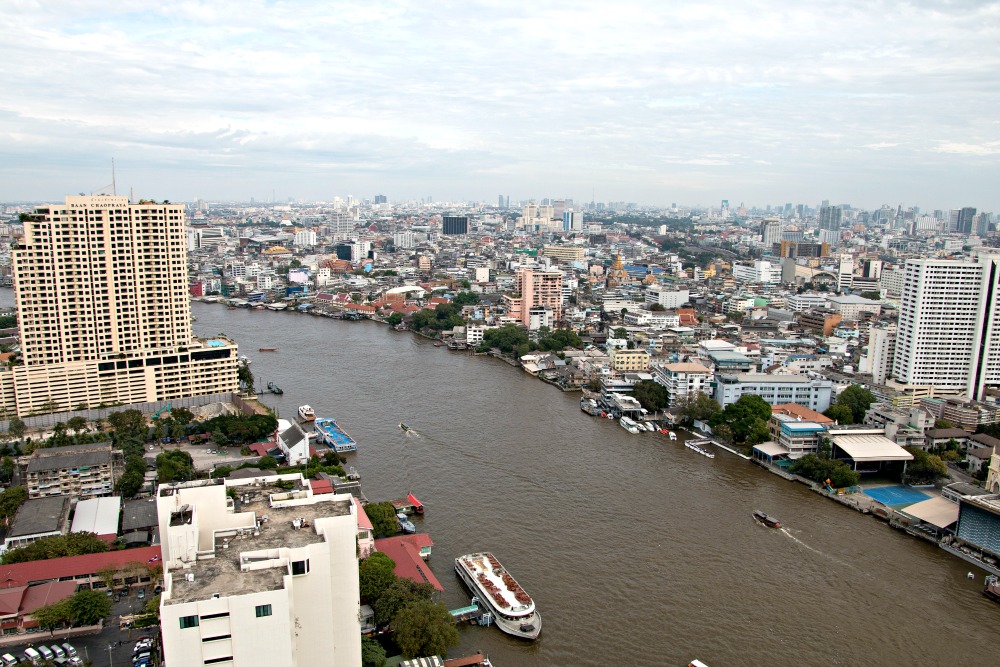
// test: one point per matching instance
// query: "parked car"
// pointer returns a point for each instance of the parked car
(142, 593)
(58, 652)
(32, 656)
(8, 660)
(70, 651)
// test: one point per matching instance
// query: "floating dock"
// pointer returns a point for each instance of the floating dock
(335, 437)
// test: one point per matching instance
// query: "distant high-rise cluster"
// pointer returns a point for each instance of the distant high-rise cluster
(454, 225)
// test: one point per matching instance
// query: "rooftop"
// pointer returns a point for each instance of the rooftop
(41, 515)
(70, 456)
(268, 529)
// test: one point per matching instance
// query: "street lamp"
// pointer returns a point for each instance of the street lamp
(111, 662)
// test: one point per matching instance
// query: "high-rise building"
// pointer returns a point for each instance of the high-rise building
(830, 217)
(454, 225)
(949, 325)
(572, 221)
(770, 231)
(381, 199)
(102, 293)
(536, 288)
(964, 220)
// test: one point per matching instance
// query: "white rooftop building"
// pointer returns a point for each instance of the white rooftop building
(268, 577)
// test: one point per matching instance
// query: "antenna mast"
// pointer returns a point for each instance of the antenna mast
(114, 187)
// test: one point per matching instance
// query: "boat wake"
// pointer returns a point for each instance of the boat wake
(801, 543)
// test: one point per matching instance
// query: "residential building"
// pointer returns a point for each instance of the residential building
(878, 359)
(760, 271)
(535, 288)
(99, 516)
(670, 299)
(683, 381)
(851, 306)
(102, 293)
(564, 254)
(796, 436)
(775, 389)
(830, 217)
(274, 583)
(74, 470)
(629, 361)
(770, 232)
(805, 301)
(821, 320)
(949, 325)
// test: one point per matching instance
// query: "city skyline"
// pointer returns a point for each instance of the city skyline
(866, 104)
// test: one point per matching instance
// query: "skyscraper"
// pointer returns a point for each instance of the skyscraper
(949, 325)
(572, 221)
(830, 217)
(964, 223)
(102, 294)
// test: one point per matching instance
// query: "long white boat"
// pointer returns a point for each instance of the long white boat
(700, 450)
(629, 425)
(512, 608)
(306, 413)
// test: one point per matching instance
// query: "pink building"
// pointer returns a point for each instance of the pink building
(535, 288)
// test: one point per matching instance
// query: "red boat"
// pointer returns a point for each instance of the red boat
(768, 521)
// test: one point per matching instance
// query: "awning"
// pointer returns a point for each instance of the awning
(935, 511)
(770, 448)
(871, 448)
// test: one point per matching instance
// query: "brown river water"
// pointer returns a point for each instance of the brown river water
(636, 550)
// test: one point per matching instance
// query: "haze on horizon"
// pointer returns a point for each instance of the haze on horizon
(866, 103)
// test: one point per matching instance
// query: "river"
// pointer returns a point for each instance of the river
(636, 550)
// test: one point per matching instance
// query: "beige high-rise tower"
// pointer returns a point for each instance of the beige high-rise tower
(102, 295)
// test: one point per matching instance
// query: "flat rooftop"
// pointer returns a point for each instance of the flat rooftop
(223, 574)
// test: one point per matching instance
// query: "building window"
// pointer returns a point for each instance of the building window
(212, 661)
(300, 567)
(189, 622)
(263, 610)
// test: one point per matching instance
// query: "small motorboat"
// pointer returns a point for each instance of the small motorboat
(766, 520)
(405, 524)
(267, 349)
(404, 426)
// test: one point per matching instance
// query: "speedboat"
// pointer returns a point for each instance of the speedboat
(404, 426)
(306, 413)
(405, 524)
(766, 520)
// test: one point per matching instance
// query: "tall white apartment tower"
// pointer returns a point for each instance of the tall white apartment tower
(949, 325)
(102, 294)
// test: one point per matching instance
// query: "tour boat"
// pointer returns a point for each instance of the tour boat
(768, 521)
(629, 425)
(306, 413)
(700, 450)
(512, 608)
(267, 349)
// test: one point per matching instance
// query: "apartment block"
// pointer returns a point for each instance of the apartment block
(684, 381)
(84, 471)
(102, 293)
(534, 288)
(625, 360)
(269, 577)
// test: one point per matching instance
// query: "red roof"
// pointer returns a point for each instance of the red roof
(413, 499)
(364, 523)
(466, 661)
(320, 486)
(43, 595)
(260, 448)
(405, 551)
(21, 574)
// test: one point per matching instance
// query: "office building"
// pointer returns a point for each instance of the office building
(949, 316)
(102, 293)
(454, 225)
(965, 220)
(775, 389)
(381, 199)
(572, 221)
(270, 581)
(830, 217)
(770, 231)
(683, 381)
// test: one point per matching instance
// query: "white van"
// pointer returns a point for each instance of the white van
(58, 652)
(46, 652)
(8, 660)
(32, 656)
(70, 651)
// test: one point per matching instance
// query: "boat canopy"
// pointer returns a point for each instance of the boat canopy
(416, 503)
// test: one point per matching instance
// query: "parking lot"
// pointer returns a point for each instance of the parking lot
(96, 647)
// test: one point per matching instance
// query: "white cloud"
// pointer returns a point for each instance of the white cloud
(469, 99)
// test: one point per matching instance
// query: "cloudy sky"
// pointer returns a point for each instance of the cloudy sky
(764, 102)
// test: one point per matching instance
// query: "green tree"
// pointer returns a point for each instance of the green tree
(842, 414)
(56, 546)
(697, 406)
(744, 417)
(650, 394)
(182, 416)
(394, 320)
(53, 615)
(174, 465)
(820, 470)
(10, 501)
(858, 399)
(372, 653)
(245, 376)
(657, 307)
(874, 295)
(88, 607)
(376, 573)
(620, 333)
(424, 628)
(126, 423)
(16, 429)
(925, 468)
(465, 299)
(77, 424)
(383, 518)
(943, 423)
(396, 596)
(7, 467)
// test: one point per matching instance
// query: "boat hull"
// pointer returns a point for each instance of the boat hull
(765, 520)
(526, 627)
